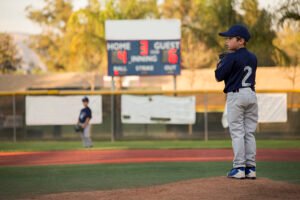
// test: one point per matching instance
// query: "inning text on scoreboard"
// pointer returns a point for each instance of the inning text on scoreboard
(143, 57)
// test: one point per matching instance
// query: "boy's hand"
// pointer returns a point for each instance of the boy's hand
(221, 56)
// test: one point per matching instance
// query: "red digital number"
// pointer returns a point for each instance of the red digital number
(144, 47)
(172, 56)
(122, 55)
(116, 73)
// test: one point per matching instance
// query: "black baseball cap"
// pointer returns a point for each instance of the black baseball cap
(85, 99)
(237, 31)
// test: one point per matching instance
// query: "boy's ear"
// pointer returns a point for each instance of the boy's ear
(242, 40)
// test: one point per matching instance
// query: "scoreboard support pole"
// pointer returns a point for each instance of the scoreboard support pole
(175, 83)
(205, 119)
(112, 106)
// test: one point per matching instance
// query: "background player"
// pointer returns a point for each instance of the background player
(238, 70)
(84, 121)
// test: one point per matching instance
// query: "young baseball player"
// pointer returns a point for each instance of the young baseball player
(84, 121)
(237, 69)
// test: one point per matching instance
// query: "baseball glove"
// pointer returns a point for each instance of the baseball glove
(222, 55)
(78, 128)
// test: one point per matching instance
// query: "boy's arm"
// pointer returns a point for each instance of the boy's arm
(78, 119)
(224, 67)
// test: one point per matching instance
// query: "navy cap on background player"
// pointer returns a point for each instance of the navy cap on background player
(85, 99)
(237, 30)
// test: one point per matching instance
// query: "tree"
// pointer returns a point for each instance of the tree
(135, 9)
(74, 41)
(201, 21)
(85, 30)
(288, 21)
(259, 22)
(289, 11)
(53, 18)
(289, 39)
(9, 59)
(84, 43)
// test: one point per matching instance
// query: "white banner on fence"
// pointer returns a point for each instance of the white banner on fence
(271, 108)
(60, 110)
(158, 109)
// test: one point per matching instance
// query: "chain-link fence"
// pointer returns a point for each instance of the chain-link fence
(209, 110)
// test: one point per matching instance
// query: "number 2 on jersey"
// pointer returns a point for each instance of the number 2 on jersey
(249, 72)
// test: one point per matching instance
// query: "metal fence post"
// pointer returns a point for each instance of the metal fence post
(14, 118)
(205, 118)
(112, 105)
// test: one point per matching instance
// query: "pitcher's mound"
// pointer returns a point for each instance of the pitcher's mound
(208, 189)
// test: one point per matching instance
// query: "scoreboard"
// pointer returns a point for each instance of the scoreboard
(143, 57)
(143, 47)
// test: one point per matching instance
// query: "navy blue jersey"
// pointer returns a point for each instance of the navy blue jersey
(237, 70)
(85, 113)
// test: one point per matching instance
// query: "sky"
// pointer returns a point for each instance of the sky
(13, 16)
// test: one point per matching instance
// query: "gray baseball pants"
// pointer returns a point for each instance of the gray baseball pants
(86, 136)
(242, 119)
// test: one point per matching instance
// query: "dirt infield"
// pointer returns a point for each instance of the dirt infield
(207, 189)
(136, 156)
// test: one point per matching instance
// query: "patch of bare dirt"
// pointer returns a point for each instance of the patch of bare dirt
(204, 189)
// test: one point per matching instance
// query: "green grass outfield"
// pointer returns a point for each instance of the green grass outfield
(194, 144)
(17, 182)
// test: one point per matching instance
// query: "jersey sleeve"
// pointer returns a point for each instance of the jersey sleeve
(224, 67)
